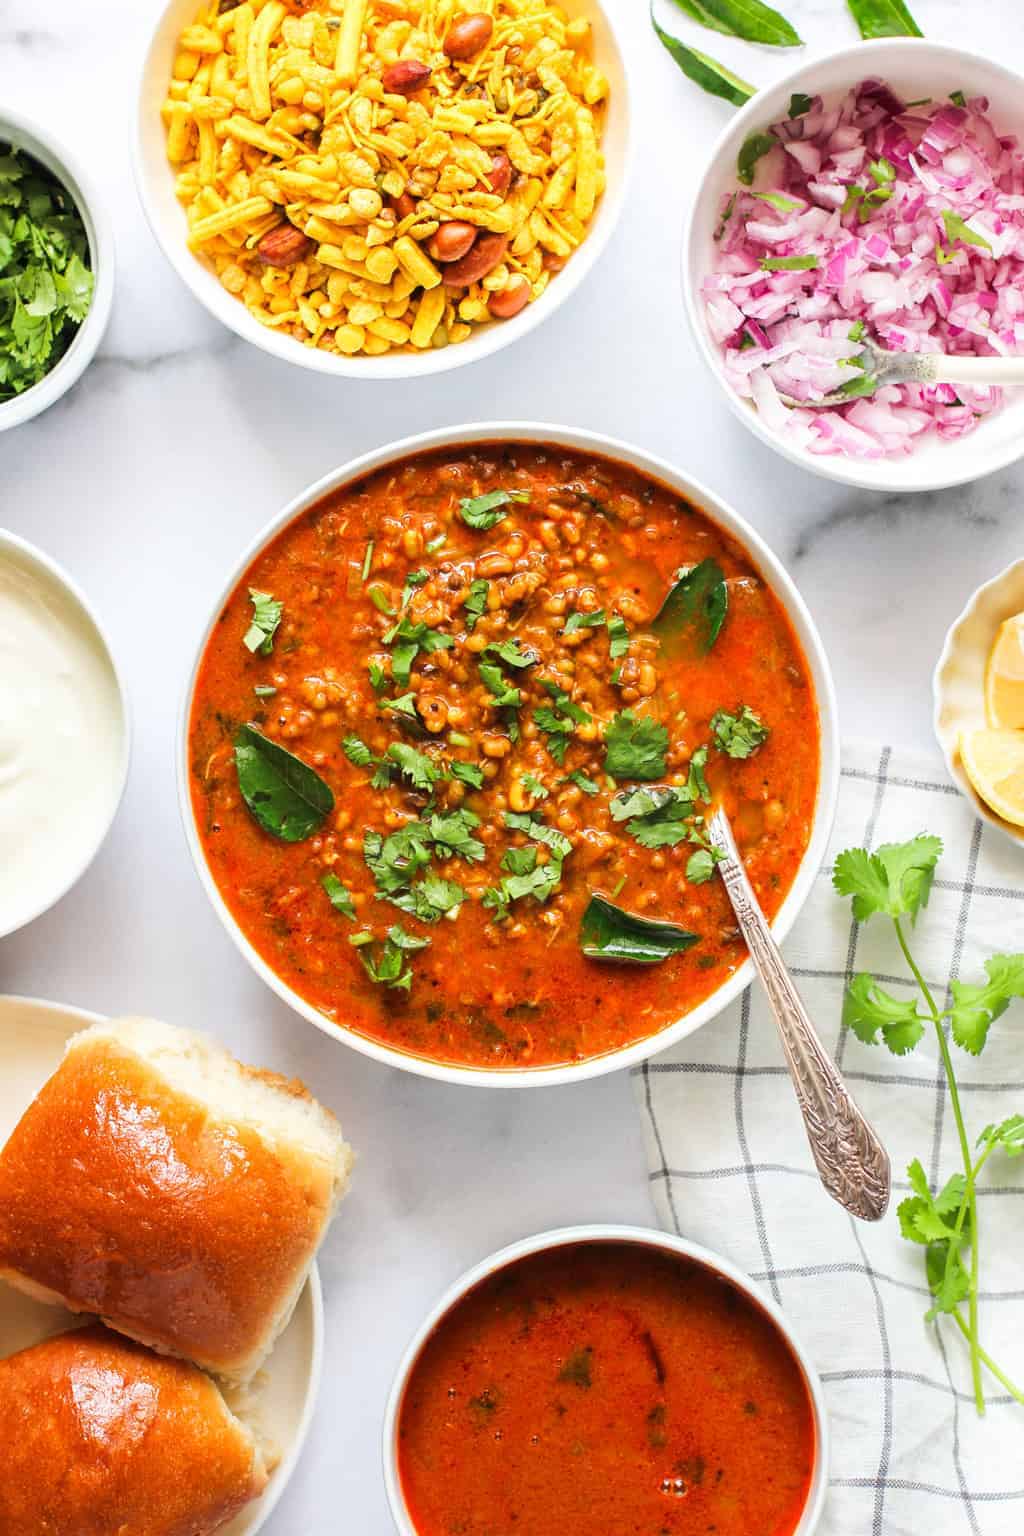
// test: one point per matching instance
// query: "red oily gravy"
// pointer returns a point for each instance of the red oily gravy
(582, 541)
(607, 1389)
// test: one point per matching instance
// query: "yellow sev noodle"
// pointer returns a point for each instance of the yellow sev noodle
(277, 112)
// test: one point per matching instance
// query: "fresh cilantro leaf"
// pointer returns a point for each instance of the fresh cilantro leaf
(421, 771)
(868, 1009)
(266, 616)
(581, 781)
(534, 786)
(357, 752)
(404, 705)
(338, 896)
(697, 786)
(635, 747)
(882, 171)
(539, 831)
(485, 511)
(896, 880)
(656, 817)
(701, 865)
(738, 735)
(527, 878)
(380, 600)
(452, 833)
(497, 684)
(956, 229)
(788, 263)
(519, 861)
(395, 860)
(408, 639)
(578, 621)
(512, 653)
(476, 601)
(618, 637)
(387, 967)
(975, 1007)
(559, 719)
(1008, 1135)
(378, 677)
(467, 773)
(431, 898)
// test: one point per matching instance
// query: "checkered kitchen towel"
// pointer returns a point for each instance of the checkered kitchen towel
(730, 1168)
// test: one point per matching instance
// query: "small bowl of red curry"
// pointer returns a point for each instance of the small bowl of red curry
(451, 738)
(601, 1379)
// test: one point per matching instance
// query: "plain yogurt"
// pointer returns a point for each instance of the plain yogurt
(63, 736)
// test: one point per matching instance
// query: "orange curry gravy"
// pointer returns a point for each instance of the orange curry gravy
(606, 1390)
(589, 537)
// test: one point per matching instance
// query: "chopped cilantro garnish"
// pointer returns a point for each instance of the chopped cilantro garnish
(788, 263)
(534, 786)
(577, 621)
(657, 817)
(338, 896)
(512, 653)
(378, 677)
(618, 637)
(421, 770)
(476, 601)
(404, 705)
(467, 773)
(388, 966)
(357, 752)
(559, 720)
(407, 640)
(497, 684)
(635, 747)
(581, 781)
(697, 785)
(379, 598)
(738, 735)
(46, 286)
(367, 561)
(452, 833)
(539, 831)
(485, 511)
(266, 610)
(436, 543)
(700, 866)
(431, 898)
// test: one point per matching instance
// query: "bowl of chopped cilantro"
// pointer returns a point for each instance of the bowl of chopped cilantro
(56, 270)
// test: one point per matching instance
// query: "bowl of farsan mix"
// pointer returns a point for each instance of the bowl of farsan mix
(382, 188)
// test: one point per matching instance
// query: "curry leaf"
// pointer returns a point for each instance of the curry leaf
(884, 18)
(704, 70)
(752, 150)
(695, 608)
(749, 19)
(286, 796)
(608, 932)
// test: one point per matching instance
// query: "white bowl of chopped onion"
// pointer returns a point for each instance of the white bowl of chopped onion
(852, 218)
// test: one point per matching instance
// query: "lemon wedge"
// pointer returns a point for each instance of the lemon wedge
(1004, 677)
(994, 763)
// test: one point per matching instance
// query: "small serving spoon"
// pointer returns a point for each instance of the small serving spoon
(883, 367)
(851, 1161)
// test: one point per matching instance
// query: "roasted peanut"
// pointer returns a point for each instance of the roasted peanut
(284, 246)
(486, 252)
(452, 240)
(403, 205)
(499, 177)
(405, 76)
(468, 35)
(510, 300)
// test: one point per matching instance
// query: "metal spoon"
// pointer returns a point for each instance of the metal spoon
(883, 367)
(851, 1161)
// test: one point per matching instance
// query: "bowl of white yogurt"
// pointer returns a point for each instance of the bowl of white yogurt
(64, 733)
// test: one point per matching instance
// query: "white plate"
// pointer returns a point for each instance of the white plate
(32, 1039)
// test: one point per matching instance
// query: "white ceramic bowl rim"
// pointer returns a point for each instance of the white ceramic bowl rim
(41, 145)
(57, 574)
(399, 365)
(956, 463)
(781, 584)
(564, 1237)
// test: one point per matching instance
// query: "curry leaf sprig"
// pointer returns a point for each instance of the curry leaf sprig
(755, 22)
(895, 882)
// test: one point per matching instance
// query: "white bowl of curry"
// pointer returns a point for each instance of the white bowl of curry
(450, 737)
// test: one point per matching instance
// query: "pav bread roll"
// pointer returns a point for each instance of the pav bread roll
(179, 1196)
(100, 1437)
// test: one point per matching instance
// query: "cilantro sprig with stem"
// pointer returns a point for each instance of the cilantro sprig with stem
(895, 882)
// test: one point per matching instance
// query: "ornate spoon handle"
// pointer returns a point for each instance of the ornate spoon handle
(851, 1161)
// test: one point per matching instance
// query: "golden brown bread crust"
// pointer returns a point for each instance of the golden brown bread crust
(100, 1438)
(128, 1199)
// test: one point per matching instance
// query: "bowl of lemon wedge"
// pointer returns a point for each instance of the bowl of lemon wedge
(978, 688)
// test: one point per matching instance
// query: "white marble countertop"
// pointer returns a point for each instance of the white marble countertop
(180, 442)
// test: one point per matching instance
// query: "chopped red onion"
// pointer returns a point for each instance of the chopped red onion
(914, 218)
